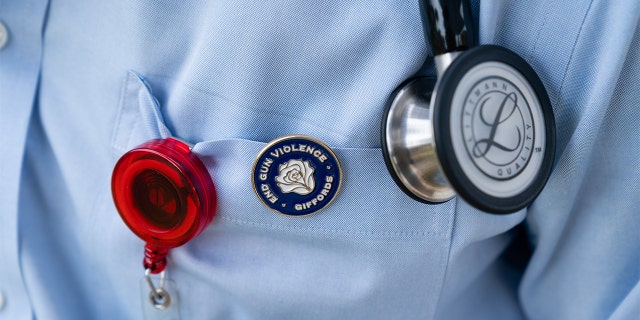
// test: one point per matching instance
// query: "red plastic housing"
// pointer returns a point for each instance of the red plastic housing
(164, 194)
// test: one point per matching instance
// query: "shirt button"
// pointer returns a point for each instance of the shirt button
(1, 301)
(4, 35)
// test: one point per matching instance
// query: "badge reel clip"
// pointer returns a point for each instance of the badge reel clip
(166, 196)
(484, 129)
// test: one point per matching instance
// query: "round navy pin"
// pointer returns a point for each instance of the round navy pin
(296, 175)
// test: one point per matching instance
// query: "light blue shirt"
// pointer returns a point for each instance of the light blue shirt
(82, 82)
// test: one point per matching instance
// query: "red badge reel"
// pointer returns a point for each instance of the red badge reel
(165, 195)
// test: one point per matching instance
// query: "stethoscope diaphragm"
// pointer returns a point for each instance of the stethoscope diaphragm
(484, 130)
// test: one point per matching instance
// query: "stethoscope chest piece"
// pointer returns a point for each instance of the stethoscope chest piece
(408, 145)
(484, 130)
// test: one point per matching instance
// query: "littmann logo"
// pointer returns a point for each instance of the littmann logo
(498, 129)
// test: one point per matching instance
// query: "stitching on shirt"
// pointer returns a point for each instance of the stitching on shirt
(116, 142)
(573, 49)
(452, 224)
(544, 22)
(114, 138)
(339, 231)
(131, 131)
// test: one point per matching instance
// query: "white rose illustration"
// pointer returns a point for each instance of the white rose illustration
(296, 176)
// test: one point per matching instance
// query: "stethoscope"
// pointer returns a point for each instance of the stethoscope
(484, 129)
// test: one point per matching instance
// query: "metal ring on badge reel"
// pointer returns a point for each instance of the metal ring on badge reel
(484, 130)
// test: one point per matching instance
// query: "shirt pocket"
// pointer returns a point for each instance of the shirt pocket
(374, 252)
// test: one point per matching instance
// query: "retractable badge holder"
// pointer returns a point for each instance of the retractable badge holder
(483, 130)
(166, 196)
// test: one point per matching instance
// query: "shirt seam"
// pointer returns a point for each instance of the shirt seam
(450, 232)
(571, 55)
(333, 230)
